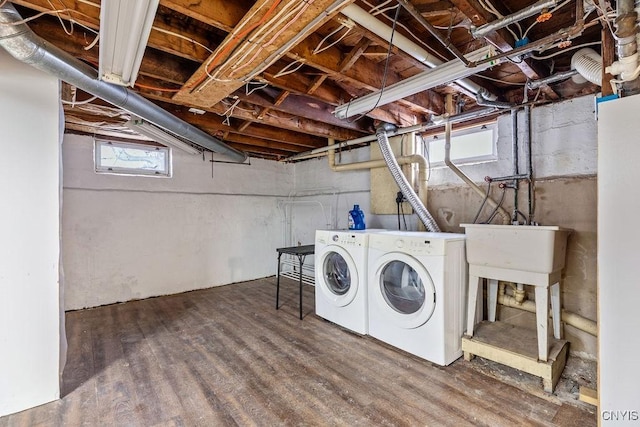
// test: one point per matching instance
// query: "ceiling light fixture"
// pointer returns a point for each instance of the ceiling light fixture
(124, 31)
(442, 74)
(158, 135)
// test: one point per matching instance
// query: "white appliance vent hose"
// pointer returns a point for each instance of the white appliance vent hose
(401, 180)
(589, 64)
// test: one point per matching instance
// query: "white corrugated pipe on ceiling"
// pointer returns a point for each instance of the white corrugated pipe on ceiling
(588, 63)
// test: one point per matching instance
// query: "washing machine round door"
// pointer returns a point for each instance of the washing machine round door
(339, 276)
(404, 291)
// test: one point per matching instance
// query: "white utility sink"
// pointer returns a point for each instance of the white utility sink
(537, 249)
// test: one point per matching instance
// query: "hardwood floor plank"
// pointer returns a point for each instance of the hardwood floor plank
(225, 356)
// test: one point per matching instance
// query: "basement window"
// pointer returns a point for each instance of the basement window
(468, 146)
(132, 159)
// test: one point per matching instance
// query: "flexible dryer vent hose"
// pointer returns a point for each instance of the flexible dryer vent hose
(401, 180)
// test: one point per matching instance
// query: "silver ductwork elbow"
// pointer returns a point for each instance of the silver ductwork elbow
(24, 45)
(401, 180)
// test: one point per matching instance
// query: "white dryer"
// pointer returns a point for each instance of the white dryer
(417, 292)
(341, 277)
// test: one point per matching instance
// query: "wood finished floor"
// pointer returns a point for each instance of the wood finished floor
(225, 356)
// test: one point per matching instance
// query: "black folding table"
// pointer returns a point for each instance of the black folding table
(301, 252)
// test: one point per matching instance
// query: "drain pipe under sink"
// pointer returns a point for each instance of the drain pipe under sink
(568, 317)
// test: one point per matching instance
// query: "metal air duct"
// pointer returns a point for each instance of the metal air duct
(24, 45)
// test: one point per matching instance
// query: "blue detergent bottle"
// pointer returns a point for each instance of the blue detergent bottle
(356, 218)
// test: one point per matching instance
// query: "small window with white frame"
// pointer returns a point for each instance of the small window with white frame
(125, 158)
(468, 146)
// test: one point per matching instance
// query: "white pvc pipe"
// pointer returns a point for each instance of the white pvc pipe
(403, 43)
(588, 63)
(421, 161)
(568, 317)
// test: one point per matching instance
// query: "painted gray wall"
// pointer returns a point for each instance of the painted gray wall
(131, 237)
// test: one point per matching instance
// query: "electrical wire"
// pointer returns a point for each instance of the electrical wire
(318, 50)
(486, 5)
(417, 39)
(38, 15)
(404, 219)
(561, 5)
(212, 62)
(156, 88)
(500, 81)
(287, 69)
(385, 73)
(564, 50)
(288, 20)
(484, 201)
(498, 206)
(74, 103)
(64, 28)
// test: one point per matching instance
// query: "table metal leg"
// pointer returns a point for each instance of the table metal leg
(300, 277)
(278, 283)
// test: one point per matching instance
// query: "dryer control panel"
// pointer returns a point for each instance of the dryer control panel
(413, 243)
(420, 246)
(346, 239)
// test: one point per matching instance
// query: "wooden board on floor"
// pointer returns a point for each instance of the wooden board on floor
(517, 347)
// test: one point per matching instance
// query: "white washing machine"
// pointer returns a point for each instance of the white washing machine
(341, 277)
(417, 292)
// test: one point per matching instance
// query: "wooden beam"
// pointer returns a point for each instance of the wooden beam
(298, 84)
(281, 98)
(213, 123)
(162, 37)
(316, 83)
(364, 74)
(302, 106)
(223, 72)
(608, 56)
(221, 14)
(244, 125)
(354, 54)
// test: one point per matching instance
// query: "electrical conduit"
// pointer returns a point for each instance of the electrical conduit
(411, 196)
(371, 23)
